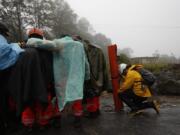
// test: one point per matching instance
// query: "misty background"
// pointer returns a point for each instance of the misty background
(145, 26)
(139, 27)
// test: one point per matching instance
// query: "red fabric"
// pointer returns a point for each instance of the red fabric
(77, 108)
(92, 104)
(39, 114)
(43, 114)
(28, 117)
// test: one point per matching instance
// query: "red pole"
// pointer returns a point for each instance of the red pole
(112, 51)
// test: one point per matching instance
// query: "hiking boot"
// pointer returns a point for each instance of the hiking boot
(156, 106)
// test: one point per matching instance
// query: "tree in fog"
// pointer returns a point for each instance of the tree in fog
(55, 16)
(40, 12)
(101, 39)
(84, 29)
(165, 58)
(169, 59)
(124, 55)
(83, 24)
(11, 12)
(156, 53)
(123, 58)
(64, 19)
(18, 14)
(127, 51)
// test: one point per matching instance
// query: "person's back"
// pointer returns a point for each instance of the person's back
(22, 64)
(134, 80)
(133, 92)
(9, 53)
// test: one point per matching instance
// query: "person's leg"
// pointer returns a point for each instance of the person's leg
(8, 118)
(42, 117)
(128, 98)
(143, 103)
(93, 107)
(51, 112)
(4, 110)
(56, 118)
(27, 84)
(4, 102)
(77, 111)
(2, 126)
(28, 118)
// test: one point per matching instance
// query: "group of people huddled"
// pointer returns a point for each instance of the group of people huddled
(41, 76)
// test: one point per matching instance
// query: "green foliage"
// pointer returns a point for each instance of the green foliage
(127, 51)
(54, 16)
(123, 58)
(11, 13)
(156, 67)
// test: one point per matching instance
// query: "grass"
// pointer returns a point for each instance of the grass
(157, 67)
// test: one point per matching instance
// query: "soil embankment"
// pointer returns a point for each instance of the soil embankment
(168, 81)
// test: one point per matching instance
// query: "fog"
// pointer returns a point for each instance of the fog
(142, 25)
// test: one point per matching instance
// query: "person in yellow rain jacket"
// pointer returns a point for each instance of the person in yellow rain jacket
(133, 92)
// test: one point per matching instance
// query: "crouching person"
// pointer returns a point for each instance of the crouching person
(133, 92)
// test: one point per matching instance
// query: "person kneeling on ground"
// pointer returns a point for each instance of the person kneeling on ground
(131, 91)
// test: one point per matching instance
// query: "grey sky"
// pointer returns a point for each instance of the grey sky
(143, 25)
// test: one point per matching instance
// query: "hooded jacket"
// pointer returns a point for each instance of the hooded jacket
(133, 80)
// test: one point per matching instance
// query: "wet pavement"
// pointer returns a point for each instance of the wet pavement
(119, 123)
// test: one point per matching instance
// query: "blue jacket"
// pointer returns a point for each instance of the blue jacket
(9, 53)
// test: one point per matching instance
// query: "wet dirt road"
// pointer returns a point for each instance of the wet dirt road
(119, 123)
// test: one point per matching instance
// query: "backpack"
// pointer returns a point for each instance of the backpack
(148, 77)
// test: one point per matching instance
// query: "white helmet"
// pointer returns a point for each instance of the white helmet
(122, 67)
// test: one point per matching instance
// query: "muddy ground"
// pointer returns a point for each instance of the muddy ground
(119, 123)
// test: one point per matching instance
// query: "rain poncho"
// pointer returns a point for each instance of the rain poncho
(97, 61)
(133, 80)
(70, 65)
(9, 53)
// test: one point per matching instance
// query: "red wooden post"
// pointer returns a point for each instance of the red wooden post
(112, 51)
